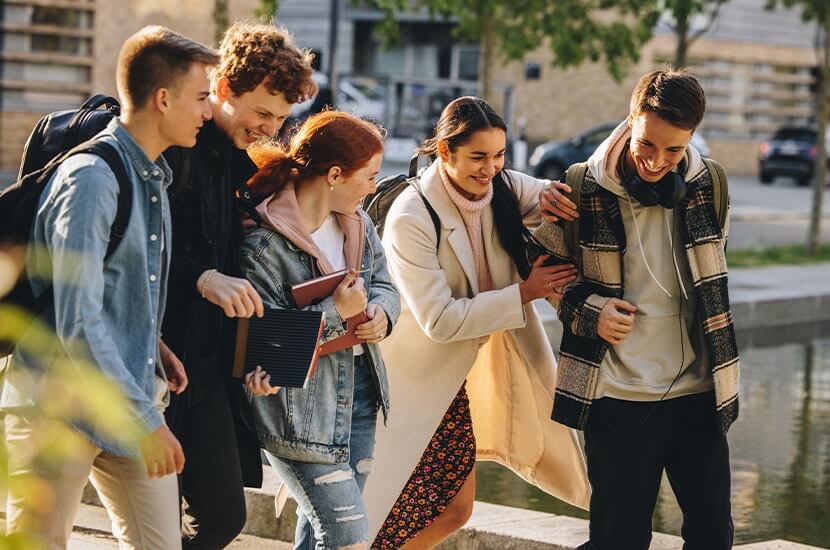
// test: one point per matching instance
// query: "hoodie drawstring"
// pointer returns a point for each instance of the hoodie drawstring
(671, 245)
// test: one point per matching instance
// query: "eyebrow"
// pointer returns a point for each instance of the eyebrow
(647, 142)
(264, 110)
(485, 152)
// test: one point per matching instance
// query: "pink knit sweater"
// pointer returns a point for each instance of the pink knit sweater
(471, 214)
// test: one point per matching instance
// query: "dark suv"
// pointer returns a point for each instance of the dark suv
(791, 151)
(550, 159)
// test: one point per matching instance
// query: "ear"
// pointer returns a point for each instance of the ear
(334, 176)
(629, 120)
(443, 150)
(223, 89)
(161, 99)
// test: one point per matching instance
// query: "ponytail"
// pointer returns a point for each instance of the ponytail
(509, 224)
(273, 175)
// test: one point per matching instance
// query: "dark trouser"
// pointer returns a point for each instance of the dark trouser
(211, 484)
(626, 459)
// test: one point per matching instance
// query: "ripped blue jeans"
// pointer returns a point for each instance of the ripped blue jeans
(330, 511)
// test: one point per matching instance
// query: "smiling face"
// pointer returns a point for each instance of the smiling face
(349, 191)
(473, 165)
(250, 116)
(657, 146)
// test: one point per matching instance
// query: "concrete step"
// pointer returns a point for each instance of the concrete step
(93, 531)
(491, 526)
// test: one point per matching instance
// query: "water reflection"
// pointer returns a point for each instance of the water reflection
(780, 446)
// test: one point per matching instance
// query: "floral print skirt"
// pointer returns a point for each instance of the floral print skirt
(447, 461)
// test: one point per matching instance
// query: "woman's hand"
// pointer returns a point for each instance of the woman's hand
(350, 296)
(554, 205)
(546, 281)
(373, 330)
(258, 383)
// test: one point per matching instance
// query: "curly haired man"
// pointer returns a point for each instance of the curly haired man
(261, 74)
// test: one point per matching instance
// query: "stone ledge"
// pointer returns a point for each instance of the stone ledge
(491, 526)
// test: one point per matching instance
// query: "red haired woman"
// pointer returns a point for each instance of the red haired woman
(320, 439)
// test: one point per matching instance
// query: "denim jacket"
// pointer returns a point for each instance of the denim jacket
(313, 424)
(108, 312)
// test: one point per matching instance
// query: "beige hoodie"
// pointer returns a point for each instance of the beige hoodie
(667, 339)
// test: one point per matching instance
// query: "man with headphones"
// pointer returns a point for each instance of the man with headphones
(649, 363)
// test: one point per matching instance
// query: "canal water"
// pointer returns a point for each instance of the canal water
(780, 445)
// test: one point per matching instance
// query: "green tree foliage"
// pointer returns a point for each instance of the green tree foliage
(267, 9)
(575, 30)
(77, 390)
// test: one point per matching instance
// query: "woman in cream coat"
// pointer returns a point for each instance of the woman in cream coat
(467, 315)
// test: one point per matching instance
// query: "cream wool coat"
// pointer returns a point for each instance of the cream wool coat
(443, 324)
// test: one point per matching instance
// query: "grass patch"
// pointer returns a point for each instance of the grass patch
(776, 255)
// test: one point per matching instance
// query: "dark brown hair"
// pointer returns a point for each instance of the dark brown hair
(155, 57)
(254, 53)
(326, 139)
(674, 96)
(459, 120)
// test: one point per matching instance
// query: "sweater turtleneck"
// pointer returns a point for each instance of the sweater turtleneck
(471, 211)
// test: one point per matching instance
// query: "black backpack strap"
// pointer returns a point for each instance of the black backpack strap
(436, 221)
(413, 166)
(125, 189)
(73, 129)
(97, 100)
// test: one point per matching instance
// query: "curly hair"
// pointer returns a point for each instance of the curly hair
(253, 53)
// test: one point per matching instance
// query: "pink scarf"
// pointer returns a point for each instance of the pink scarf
(471, 214)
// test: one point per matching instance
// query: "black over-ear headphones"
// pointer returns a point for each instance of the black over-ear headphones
(667, 192)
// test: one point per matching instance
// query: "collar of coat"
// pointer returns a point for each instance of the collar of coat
(602, 247)
(502, 269)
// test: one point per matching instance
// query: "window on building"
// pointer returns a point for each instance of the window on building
(468, 59)
(61, 17)
(59, 44)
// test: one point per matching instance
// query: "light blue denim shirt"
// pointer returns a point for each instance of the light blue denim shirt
(109, 311)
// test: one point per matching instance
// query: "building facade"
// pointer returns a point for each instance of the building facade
(56, 53)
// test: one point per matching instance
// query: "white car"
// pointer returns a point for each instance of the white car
(363, 97)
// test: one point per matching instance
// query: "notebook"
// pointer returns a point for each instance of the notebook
(314, 291)
(284, 342)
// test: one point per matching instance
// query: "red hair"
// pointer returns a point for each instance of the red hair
(327, 139)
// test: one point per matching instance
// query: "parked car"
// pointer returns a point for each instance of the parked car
(550, 159)
(363, 97)
(791, 152)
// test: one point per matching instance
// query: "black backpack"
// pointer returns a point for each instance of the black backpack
(56, 137)
(377, 204)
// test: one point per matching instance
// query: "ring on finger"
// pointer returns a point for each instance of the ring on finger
(553, 202)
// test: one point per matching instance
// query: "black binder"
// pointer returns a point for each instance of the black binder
(285, 343)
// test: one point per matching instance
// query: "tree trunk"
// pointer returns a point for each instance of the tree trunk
(823, 95)
(681, 32)
(220, 19)
(488, 50)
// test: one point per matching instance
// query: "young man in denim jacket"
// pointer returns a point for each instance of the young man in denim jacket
(260, 76)
(108, 312)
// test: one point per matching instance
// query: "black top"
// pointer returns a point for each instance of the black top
(207, 231)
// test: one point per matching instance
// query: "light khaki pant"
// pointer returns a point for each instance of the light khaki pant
(144, 511)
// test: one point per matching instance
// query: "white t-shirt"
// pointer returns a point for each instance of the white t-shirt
(330, 239)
